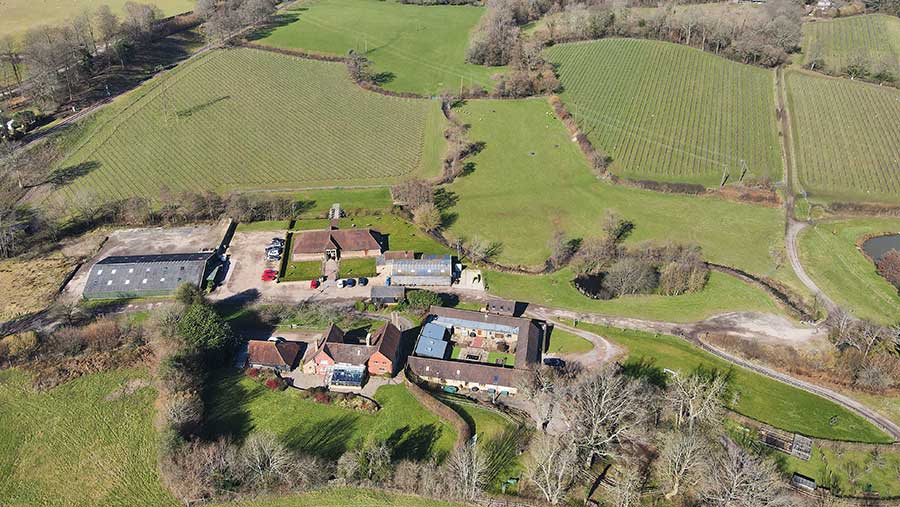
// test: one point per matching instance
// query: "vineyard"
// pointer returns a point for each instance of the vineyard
(845, 137)
(415, 48)
(243, 118)
(671, 113)
(876, 37)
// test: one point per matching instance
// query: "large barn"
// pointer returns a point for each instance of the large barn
(128, 276)
(430, 270)
(336, 244)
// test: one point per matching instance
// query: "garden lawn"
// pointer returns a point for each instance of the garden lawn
(207, 125)
(871, 472)
(17, 16)
(302, 270)
(264, 225)
(722, 293)
(342, 497)
(419, 49)
(77, 444)
(354, 268)
(758, 397)
(830, 256)
(669, 112)
(238, 405)
(531, 180)
(563, 342)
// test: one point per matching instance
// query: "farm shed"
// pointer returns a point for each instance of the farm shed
(464, 375)
(803, 482)
(129, 276)
(501, 307)
(430, 270)
(381, 295)
(279, 355)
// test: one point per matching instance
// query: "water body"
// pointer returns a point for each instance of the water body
(878, 246)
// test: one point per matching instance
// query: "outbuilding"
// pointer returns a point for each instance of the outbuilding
(129, 276)
(381, 295)
(278, 354)
(430, 270)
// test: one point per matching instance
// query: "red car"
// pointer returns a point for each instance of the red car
(314, 284)
(269, 275)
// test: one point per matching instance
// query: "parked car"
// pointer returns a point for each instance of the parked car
(278, 241)
(362, 281)
(346, 282)
(269, 275)
(554, 362)
(273, 257)
(276, 249)
(314, 284)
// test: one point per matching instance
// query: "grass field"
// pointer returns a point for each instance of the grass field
(401, 234)
(759, 397)
(42, 276)
(421, 48)
(829, 255)
(17, 16)
(564, 342)
(76, 446)
(238, 405)
(858, 160)
(244, 118)
(722, 294)
(876, 36)
(302, 270)
(342, 497)
(353, 268)
(531, 179)
(870, 472)
(669, 112)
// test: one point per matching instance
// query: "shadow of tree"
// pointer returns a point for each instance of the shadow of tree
(382, 78)
(327, 440)
(187, 113)
(413, 445)
(226, 399)
(68, 174)
(646, 369)
(279, 20)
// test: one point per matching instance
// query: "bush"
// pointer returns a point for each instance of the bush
(102, 334)
(275, 384)
(201, 327)
(889, 267)
(422, 300)
(252, 372)
(20, 346)
(630, 276)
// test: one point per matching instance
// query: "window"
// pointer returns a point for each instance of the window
(131, 270)
(163, 279)
(144, 280)
(113, 271)
(99, 271)
(109, 282)
(127, 282)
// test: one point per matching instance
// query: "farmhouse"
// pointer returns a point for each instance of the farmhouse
(430, 270)
(145, 275)
(278, 354)
(336, 244)
(476, 351)
(337, 358)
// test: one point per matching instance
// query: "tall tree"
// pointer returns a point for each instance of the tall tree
(739, 479)
(553, 466)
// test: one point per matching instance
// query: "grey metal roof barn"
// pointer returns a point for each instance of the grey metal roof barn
(145, 275)
(429, 270)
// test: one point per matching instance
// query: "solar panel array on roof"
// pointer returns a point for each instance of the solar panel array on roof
(144, 275)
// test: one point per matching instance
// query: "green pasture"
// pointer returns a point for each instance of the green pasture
(18, 16)
(829, 253)
(79, 444)
(758, 397)
(564, 342)
(401, 234)
(857, 160)
(531, 180)
(237, 405)
(722, 294)
(414, 48)
(875, 37)
(211, 125)
(668, 112)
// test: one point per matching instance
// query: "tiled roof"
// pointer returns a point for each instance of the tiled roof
(346, 239)
(387, 338)
(269, 353)
(464, 371)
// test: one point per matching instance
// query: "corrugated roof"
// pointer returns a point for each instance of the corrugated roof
(528, 343)
(438, 266)
(136, 274)
(434, 331)
(381, 291)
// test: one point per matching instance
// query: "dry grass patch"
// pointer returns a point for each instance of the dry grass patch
(42, 277)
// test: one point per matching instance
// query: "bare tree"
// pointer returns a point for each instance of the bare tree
(697, 399)
(630, 276)
(108, 29)
(553, 466)
(265, 460)
(468, 468)
(627, 484)
(427, 216)
(681, 462)
(739, 479)
(603, 409)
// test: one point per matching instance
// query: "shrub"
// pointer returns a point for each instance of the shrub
(322, 397)
(275, 384)
(252, 372)
(421, 300)
(21, 346)
(102, 334)
(630, 276)
(681, 278)
(889, 266)
(203, 328)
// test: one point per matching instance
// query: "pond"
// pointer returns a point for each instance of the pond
(878, 246)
